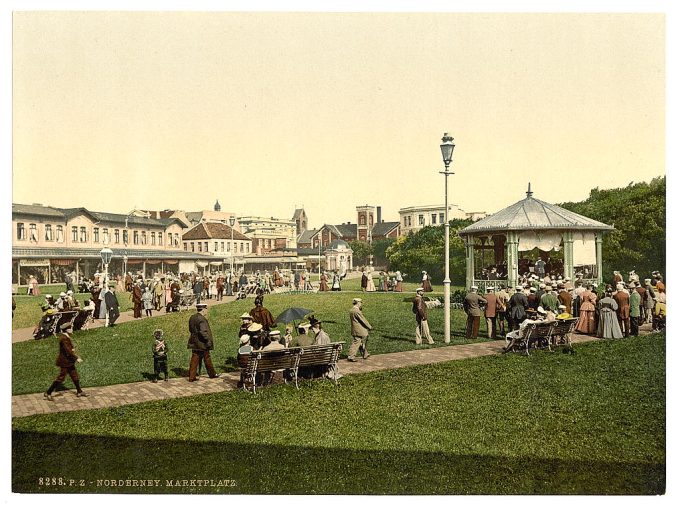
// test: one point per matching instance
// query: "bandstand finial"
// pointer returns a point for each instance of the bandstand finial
(529, 192)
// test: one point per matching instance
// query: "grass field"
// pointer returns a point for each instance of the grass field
(122, 354)
(552, 423)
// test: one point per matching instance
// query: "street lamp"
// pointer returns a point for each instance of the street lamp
(232, 221)
(106, 254)
(447, 147)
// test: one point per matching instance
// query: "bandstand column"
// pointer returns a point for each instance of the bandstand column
(469, 262)
(512, 242)
(568, 242)
(598, 256)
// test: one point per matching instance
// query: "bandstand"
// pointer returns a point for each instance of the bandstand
(507, 244)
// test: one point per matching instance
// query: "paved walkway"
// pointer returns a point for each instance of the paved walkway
(26, 333)
(138, 392)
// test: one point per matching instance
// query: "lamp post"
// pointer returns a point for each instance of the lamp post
(447, 147)
(232, 221)
(106, 254)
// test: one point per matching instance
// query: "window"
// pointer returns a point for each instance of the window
(143, 237)
(160, 239)
(370, 219)
(441, 218)
(362, 220)
(153, 240)
(247, 247)
(169, 239)
(74, 234)
(60, 234)
(215, 246)
(235, 247)
(222, 246)
(177, 242)
(83, 235)
(116, 235)
(409, 221)
(228, 247)
(421, 220)
(95, 234)
(105, 235)
(405, 222)
(135, 237)
(434, 218)
(48, 232)
(192, 246)
(241, 247)
(21, 230)
(186, 245)
(125, 236)
(205, 243)
(33, 232)
(200, 246)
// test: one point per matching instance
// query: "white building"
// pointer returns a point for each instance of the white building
(269, 234)
(415, 218)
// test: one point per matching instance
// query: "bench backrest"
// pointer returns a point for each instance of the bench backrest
(320, 354)
(541, 329)
(270, 360)
(565, 326)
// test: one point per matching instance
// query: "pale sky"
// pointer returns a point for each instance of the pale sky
(266, 111)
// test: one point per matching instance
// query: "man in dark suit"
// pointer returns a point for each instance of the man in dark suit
(200, 343)
(66, 361)
(112, 307)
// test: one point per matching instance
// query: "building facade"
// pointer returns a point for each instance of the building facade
(269, 234)
(48, 242)
(414, 218)
(226, 246)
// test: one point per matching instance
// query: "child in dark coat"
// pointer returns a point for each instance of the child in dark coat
(160, 356)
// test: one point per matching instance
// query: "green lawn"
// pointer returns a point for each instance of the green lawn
(122, 354)
(552, 423)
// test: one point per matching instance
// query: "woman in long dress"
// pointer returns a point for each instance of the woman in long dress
(586, 321)
(400, 282)
(34, 289)
(370, 285)
(608, 325)
(426, 285)
(323, 282)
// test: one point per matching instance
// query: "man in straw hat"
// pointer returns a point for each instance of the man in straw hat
(359, 328)
(200, 343)
(66, 361)
(472, 306)
(420, 310)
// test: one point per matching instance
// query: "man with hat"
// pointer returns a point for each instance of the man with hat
(549, 300)
(490, 312)
(303, 338)
(112, 307)
(200, 343)
(634, 309)
(66, 361)
(564, 297)
(649, 300)
(246, 321)
(518, 307)
(471, 305)
(320, 336)
(422, 327)
(274, 343)
(502, 299)
(359, 328)
(622, 299)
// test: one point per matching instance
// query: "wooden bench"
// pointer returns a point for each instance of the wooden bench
(269, 361)
(564, 329)
(322, 356)
(535, 335)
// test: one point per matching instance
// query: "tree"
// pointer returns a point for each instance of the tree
(638, 212)
(361, 251)
(380, 247)
(424, 250)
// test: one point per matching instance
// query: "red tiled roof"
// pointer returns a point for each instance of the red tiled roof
(213, 230)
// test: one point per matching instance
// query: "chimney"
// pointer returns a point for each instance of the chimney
(379, 211)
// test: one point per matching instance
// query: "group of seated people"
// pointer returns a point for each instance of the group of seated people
(254, 336)
(65, 307)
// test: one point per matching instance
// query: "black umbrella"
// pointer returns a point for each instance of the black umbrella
(292, 314)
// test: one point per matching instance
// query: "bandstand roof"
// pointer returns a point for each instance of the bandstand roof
(533, 214)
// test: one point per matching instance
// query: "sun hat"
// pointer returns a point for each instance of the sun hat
(254, 327)
(247, 316)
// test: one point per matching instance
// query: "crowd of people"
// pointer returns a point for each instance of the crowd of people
(614, 310)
